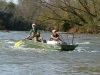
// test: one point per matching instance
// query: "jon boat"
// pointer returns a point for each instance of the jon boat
(53, 45)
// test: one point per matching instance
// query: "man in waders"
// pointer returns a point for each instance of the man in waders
(34, 34)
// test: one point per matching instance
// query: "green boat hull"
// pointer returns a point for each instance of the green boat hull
(40, 45)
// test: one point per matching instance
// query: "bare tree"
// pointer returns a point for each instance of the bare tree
(29, 9)
(76, 12)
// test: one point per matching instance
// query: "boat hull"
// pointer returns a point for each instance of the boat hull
(68, 47)
(40, 45)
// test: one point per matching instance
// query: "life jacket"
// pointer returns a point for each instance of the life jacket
(55, 35)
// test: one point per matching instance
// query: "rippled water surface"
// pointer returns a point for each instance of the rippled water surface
(84, 60)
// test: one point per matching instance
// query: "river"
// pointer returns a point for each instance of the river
(84, 60)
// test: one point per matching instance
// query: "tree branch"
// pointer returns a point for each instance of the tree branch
(86, 8)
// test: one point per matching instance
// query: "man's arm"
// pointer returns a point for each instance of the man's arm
(30, 32)
(38, 33)
(54, 38)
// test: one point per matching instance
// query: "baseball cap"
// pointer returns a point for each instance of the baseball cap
(53, 30)
(33, 24)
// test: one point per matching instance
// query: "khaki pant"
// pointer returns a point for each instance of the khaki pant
(39, 39)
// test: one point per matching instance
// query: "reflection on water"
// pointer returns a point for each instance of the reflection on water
(84, 60)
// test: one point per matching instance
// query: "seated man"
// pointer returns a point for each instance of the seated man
(34, 34)
(55, 36)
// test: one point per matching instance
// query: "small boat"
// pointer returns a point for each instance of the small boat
(42, 45)
(54, 45)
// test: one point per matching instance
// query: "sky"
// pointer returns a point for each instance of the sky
(14, 1)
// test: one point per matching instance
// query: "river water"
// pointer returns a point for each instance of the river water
(84, 60)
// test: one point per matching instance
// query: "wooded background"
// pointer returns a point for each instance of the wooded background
(82, 16)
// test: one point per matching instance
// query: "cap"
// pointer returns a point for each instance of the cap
(53, 30)
(33, 24)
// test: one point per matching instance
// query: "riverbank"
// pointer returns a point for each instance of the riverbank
(72, 30)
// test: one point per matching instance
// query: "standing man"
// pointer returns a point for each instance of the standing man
(34, 34)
